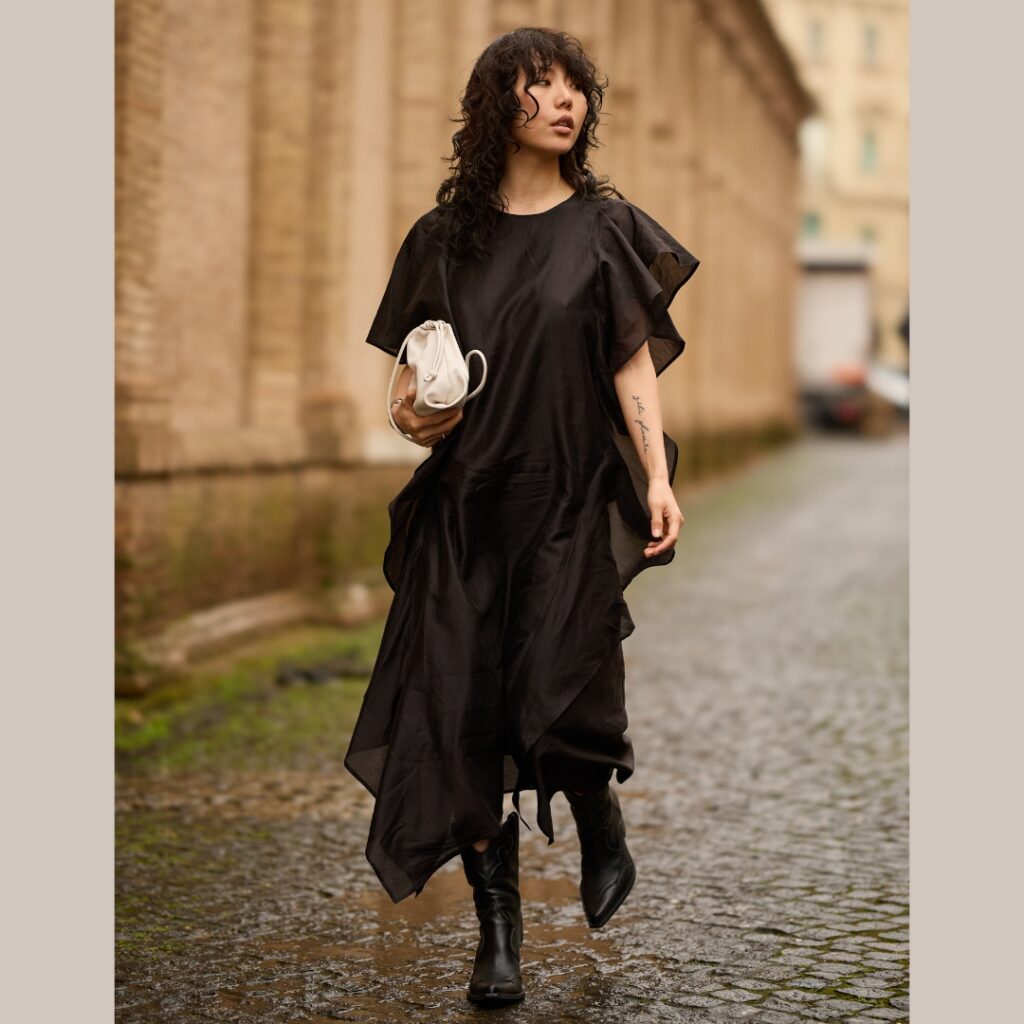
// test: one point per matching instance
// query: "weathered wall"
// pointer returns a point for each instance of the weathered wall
(270, 158)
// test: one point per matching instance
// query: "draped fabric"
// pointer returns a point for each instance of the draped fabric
(501, 665)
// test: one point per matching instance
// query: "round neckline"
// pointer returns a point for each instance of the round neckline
(541, 213)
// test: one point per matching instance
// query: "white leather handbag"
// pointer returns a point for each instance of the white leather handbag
(439, 368)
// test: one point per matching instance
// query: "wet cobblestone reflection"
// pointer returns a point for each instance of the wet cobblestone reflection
(767, 688)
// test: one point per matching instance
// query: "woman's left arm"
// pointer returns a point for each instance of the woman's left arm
(636, 385)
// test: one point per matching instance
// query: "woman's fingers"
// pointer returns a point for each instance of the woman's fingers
(657, 519)
(670, 520)
(426, 430)
(436, 426)
(657, 509)
(675, 521)
(448, 424)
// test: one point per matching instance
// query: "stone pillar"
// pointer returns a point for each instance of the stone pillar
(712, 357)
(142, 382)
(202, 267)
(677, 51)
(329, 413)
(282, 108)
(372, 233)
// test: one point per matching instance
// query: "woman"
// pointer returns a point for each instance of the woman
(501, 666)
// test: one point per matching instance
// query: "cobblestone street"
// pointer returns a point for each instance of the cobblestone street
(768, 813)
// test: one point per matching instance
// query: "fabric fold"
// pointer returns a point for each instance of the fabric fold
(500, 668)
(641, 268)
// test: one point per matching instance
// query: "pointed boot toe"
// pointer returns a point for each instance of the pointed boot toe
(599, 905)
(607, 870)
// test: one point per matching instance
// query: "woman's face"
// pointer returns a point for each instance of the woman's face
(559, 99)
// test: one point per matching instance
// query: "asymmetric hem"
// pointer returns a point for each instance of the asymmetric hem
(501, 666)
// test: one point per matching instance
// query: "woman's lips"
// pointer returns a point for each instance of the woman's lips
(562, 129)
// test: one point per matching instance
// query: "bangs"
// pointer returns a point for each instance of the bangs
(544, 50)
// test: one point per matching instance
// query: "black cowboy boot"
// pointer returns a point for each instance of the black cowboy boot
(494, 875)
(607, 869)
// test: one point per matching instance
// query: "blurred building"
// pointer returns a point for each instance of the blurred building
(854, 57)
(270, 156)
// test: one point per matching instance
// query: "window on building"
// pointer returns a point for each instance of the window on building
(813, 135)
(869, 151)
(871, 43)
(815, 39)
(810, 225)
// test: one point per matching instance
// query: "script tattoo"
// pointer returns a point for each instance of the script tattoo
(638, 419)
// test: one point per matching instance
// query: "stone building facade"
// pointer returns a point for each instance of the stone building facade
(853, 56)
(270, 157)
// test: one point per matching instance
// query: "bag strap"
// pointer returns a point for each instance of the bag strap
(483, 370)
(391, 386)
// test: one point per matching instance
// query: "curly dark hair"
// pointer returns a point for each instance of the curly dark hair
(469, 198)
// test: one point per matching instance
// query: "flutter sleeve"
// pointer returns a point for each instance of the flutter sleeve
(413, 292)
(641, 268)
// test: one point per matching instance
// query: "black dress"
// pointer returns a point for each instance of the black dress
(501, 666)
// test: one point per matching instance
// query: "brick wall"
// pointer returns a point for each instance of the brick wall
(271, 156)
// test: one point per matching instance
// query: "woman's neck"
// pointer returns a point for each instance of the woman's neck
(532, 186)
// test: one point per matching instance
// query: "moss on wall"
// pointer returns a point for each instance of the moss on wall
(204, 540)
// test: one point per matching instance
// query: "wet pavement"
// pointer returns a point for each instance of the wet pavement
(768, 815)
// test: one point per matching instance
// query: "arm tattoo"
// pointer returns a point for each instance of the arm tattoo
(638, 419)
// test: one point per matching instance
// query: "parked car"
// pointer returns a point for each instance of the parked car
(834, 332)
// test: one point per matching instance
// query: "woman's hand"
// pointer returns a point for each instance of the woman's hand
(425, 430)
(666, 519)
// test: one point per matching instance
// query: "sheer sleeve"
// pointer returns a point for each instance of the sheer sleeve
(641, 268)
(412, 294)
